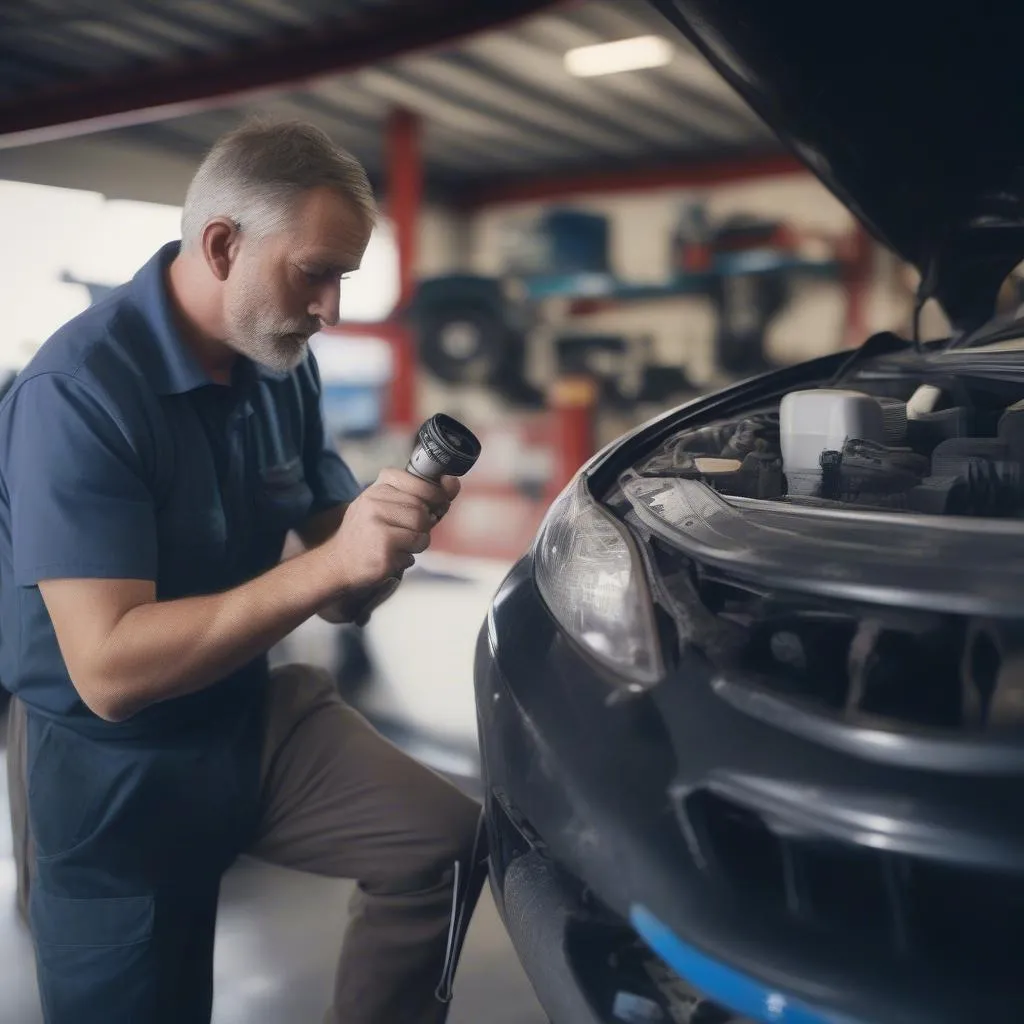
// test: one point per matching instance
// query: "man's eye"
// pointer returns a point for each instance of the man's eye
(317, 276)
(323, 276)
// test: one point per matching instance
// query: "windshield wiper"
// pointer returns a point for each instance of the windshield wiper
(997, 329)
(1007, 328)
(884, 343)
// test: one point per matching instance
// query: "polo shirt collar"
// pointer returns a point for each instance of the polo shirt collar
(175, 369)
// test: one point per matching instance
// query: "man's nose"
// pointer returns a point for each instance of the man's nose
(328, 304)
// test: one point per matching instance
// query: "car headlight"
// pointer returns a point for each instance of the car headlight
(591, 578)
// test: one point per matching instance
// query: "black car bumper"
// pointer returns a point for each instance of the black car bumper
(797, 872)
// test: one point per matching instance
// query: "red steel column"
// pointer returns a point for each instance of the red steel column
(573, 405)
(404, 195)
(857, 281)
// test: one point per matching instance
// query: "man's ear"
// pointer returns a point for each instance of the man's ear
(220, 246)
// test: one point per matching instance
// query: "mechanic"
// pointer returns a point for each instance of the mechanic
(154, 456)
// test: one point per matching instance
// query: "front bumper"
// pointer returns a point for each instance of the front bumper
(539, 917)
(828, 869)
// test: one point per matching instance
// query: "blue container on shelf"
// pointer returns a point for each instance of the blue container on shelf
(355, 369)
(559, 242)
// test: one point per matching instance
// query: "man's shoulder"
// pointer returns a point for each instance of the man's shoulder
(104, 327)
(97, 349)
(89, 372)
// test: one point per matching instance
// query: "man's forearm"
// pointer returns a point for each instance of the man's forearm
(167, 649)
(315, 532)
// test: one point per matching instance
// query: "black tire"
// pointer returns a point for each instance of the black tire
(464, 344)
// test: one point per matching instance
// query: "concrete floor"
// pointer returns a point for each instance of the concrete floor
(277, 939)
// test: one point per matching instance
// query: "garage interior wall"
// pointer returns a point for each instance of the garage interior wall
(443, 242)
(642, 225)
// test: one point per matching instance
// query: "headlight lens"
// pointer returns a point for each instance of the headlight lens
(591, 579)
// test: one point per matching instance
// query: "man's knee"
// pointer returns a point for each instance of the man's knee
(463, 827)
(301, 684)
(451, 834)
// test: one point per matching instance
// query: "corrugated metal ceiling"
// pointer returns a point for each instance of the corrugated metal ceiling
(495, 105)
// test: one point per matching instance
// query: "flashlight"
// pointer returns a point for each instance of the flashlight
(444, 447)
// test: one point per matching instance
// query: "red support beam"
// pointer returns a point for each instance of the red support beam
(640, 179)
(401, 400)
(161, 91)
(573, 404)
(404, 197)
(859, 264)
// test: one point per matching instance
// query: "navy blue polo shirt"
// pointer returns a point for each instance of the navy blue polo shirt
(121, 458)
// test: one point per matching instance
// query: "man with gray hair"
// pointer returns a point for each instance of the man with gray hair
(154, 456)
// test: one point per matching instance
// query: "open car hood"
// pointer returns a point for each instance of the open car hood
(911, 114)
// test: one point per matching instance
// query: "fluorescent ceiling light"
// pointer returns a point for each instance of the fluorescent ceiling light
(623, 55)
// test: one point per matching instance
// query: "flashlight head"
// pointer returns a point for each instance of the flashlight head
(444, 447)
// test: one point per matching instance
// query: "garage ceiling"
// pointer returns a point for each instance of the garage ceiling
(163, 78)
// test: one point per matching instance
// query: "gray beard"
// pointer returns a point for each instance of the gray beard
(280, 355)
(257, 336)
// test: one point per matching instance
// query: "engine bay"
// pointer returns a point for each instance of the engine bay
(839, 612)
(932, 452)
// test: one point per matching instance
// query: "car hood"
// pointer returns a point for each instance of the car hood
(910, 114)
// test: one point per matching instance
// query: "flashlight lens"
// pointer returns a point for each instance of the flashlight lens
(448, 445)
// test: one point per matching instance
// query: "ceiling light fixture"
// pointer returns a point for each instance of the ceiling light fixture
(623, 55)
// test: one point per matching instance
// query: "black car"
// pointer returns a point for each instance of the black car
(750, 710)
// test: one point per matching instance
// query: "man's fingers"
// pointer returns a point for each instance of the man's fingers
(451, 485)
(409, 483)
(388, 495)
(398, 490)
(385, 492)
(407, 516)
(406, 541)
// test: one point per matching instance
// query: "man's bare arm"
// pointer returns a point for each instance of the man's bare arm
(322, 527)
(125, 650)
(316, 531)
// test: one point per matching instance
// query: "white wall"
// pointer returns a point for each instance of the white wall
(441, 246)
(641, 228)
(62, 230)
(122, 169)
(59, 229)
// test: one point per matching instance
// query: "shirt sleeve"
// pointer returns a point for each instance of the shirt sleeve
(80, 507)
(327, 474)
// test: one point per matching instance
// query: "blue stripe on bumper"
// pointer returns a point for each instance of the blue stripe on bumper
(721, 984)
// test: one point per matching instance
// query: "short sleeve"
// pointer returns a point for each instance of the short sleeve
(327, 474)
(79, 506)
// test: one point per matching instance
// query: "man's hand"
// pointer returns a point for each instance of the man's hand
(125, 650)
(450, 485)
(382, 532)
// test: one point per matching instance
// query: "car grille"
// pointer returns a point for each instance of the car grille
(893, 666)
(903, 906)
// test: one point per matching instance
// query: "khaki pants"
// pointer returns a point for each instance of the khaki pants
(339, 800)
